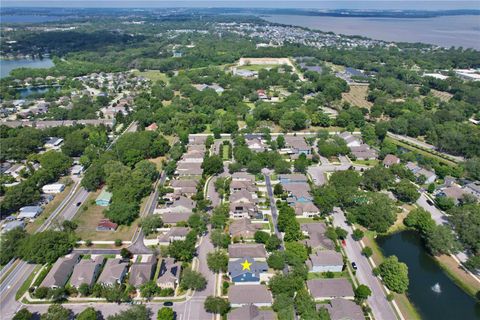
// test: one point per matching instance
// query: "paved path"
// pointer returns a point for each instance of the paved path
(381, 308)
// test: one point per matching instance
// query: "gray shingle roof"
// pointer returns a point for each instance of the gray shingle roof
(249, 293)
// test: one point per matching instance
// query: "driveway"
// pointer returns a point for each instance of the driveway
(381, 308)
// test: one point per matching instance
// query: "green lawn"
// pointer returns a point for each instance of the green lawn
(153, 75)
(366, 162)
(226, 150)
(322, 275)
(416, 149)
(258, 67)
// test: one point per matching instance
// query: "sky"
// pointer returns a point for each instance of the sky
(384, 5)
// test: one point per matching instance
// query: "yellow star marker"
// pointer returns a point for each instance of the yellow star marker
(246, 265)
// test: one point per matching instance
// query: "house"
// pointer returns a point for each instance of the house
(243, 228)
(77, 170)
(253, 250)
(292, 178)
(256, 144)
(152, 127)
(350, 139)
(197, 140)
(141, 272)
(15, 170)
(29, 212)
(172, 218)
(53, 188)
(53, 143)
(61, 270)
(297, 145)
(240, 185)
(9, 226)
(86, 271)
(325, 261)
(363, 152)
(169, 275)
(315, 231)
(297, 192)
(180, 204)
(390, 160)
(186, 187)
(241, 295)
(342, 309)
(247, 270)
(243, 204)
(243, 176)
(327, 289)
(245, 73)
(106, 225)
(188, 169)
(192, 156)
(250, 312)
(306, 209)
(174, 234)
(113, 272)
(418, 171)
(104, 198)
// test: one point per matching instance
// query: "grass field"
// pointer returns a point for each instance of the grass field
(366, 162)
(158, 162)
(88, 219)
(357, 96)
(226, 150)
(153, 75)
(258, 67)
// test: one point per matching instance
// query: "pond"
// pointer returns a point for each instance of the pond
(28, 91)
(8, 65)
(433, 293)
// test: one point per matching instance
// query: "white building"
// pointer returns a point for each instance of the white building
(53, 188)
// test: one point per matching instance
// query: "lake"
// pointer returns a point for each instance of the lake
(28, 91)
(424, 273)
(28, 18)
(8, 65)
(444, 31)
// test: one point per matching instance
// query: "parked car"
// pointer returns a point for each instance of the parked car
(168, 303)
(354, 266)
(430, 202)
(344, 243)
(78, 204)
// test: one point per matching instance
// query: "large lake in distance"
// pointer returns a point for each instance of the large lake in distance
(8, 65)
(444, 31)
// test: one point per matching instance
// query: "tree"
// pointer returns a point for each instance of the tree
(56, 312)
(212, 165)
(278, 189)
(220, 216)
(276, 260)
(88, 314)
(9, 242)
(165, 313)
(280, 141)
(23, 314)
(217, 261)
(377, 178)
(394, 274)
(125, 253)
(46, 246)
(183, 250)
(84, 289)
(137, 312)
(341, 233)
(377, 214)
(261, 236)
(406, 191)
(444, 203)
(466, 223)
(217, 305)
(193, 280)
(362, 292)
(149, 289)
(273, 243)
(367, 252)
(301, 164)
(220, 239)
(357, 234)
(305, 305)
(473, 263)
(151, 223)
(420, 220)
(441, 241)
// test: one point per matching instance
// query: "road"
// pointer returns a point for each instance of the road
(381, 308)
(19, 274)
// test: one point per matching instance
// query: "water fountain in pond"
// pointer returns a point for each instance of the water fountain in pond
(436, 288)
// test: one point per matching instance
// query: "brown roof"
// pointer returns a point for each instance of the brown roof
(61, 271)
(243, 227)
(342, 309)
(390, 159)
(175, 217)
(106, 223)
(240, 250)
(85, 271)
(249, 293)
(326, 258)
(251, 312)
(243, 176)
(325, 288)
(301, 207)
(113, 271)
(169, 272)
(316, 234)
(141, 272)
